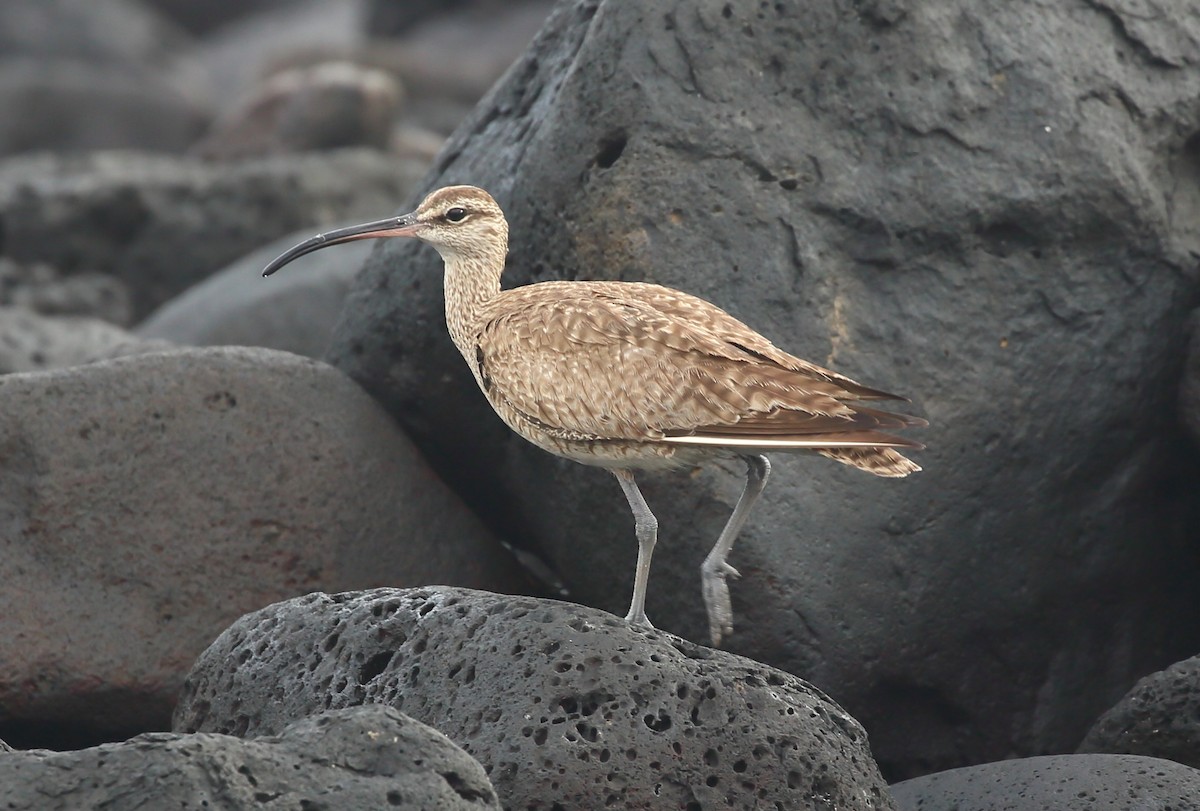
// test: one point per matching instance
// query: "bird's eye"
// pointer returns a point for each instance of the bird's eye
(456, 214)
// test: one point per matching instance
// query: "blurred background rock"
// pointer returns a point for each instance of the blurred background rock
(152, 153)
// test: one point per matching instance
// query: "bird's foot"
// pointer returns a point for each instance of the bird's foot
(713, 577)
(638, 619)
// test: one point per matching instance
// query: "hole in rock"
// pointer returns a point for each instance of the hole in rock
(658, 723)
(374, 666)
(611, 149)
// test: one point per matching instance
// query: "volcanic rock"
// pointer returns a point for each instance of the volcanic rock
(565, 706)
(147, 502)
(1001, 226)
(1058, 782)
(345, 760)
(162, 224)
(1159, 717)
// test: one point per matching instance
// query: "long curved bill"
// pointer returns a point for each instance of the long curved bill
(406, 226)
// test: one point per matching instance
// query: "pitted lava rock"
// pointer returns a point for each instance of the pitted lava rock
(1056, 783)
(565, 706)
(1159, 717)
(346, 760)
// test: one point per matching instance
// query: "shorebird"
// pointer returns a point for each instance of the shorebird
(631, 376)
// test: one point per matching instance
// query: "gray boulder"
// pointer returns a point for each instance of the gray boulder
(125, 32)
(30, 342)
(293, 311)
(345, 760)
(565, 706)
(74, 105)
(147, 502)
(987, 221)
(42, 289)
(1056, 783)
(94, 75)
(162, 224)
(1159, 717)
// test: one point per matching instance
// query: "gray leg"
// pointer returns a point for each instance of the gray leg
(647, 534)
(714, 570)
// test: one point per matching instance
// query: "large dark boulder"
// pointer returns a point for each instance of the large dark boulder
(565, 706)
(146, 503)
(1056, 783)
(346, 760)
(161, 224)
(1159, 717)
(990, 209)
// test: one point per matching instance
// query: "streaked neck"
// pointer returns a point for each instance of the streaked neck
(470, 282)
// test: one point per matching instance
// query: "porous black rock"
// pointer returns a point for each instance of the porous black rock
(925, 197)
(565, 706)
(1159, 717)
(1056, 783)
(344, 760)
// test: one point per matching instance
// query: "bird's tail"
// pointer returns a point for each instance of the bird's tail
(880, 461)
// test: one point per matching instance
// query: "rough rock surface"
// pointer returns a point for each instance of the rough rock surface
(294, 311)
(1189, 387)
(1159, 717)
(929, 199)
(42, 289)
(162, 224)
(565, 706)
(30, 342)
(147, 502)
(1056, 783)
(346, 760)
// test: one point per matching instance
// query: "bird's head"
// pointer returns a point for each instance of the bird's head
(459, 221)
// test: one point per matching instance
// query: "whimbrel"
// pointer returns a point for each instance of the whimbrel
(632, 376)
